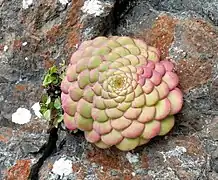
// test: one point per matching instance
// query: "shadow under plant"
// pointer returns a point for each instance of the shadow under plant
(45, 33)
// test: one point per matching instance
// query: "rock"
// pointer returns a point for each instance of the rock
(114, 172)
(214, 91)
(43, 33)
(94, 165)
(141, 172)
(214, 129)
(202, 7)
(96, 18)
(213, 176)
(132, 158)
(17, 145)
(20, 170)
(214, 160)
(30, 42)
(216, 167)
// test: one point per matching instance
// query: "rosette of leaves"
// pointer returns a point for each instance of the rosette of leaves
(50, 104)
(119, 92)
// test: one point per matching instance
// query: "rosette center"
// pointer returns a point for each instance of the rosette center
(118, 82)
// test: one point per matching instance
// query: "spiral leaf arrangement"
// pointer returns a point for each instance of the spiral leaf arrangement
(119, 93)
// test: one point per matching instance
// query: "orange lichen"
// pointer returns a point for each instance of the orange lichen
(5, 134)
(17, 44)
(69, 28)
(107, 160)
(193, 72)
(144, 161)
(73, 23)
(79, 170)
(73, 39)
(52, 34)
(1, 47)
(21, 87)
(200, 35)
(20, 171)
(111, 160)
(3, 139)
(106, 174)
(48, 63)
(161, 35)
(201, 42)
(192, 145)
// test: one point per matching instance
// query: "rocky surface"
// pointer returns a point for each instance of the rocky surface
(34, 35)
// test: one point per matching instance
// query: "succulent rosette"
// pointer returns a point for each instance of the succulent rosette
(119, 93)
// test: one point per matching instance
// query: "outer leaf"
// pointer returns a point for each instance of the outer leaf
(48, 101)
(57, 103)
(47, 115)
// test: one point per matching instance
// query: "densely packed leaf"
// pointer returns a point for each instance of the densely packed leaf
(119, 92)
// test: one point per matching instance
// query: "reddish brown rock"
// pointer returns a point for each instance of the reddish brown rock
(161, 34)
(51, 31)
(20, 171)
(5, 134)
(199, 70)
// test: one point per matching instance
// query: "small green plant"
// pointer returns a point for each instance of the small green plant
(50, 104)
(51, 77)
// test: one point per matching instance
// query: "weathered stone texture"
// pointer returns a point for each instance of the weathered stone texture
(46, 32)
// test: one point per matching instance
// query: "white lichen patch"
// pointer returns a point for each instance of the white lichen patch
(189, 163)
(1, 98)
(62, 167)
(63, 2)
(24, 43)
(132, 158)
(94, 7)
(133, 174)
(27, 3)
(21, 116)
(36, 109)
(164, 173)
(177, 152)
(5, 48)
